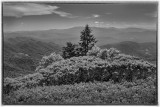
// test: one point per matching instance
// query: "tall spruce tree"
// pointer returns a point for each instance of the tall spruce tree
(87, 40)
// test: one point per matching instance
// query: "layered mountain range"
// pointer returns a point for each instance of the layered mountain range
(22, 50)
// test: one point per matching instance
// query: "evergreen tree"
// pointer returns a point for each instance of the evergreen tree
(87, 40)
(69, 50)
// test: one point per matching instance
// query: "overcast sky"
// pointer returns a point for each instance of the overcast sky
(41, 16)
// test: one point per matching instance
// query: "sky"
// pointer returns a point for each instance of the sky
(30, 16)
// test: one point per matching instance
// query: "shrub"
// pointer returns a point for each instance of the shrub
(90, 68)
(29, 81)
(87, 93)
(108, 53)
(103, 54)
(124, 57)
(10, 84)
(47, 60)
(94, 51)
(113, 52)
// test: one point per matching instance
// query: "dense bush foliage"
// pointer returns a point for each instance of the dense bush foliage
(10, 84)
(94, 51)
(99, 65)
(29, 81)
(47, 60)
(108, 53)
(141, 92)
(131, 80)
(89, 68)
(69, 51)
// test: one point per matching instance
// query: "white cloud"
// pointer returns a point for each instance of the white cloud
(97, 22)
(95, 15)
(64, 14)
(26, 9)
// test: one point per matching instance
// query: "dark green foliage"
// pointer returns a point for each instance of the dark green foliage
(69, 51)
(87, 40)
(140, 92)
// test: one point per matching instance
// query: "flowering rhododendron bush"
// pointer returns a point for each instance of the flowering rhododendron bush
(89, 68)
(118, 68)
(47, 60)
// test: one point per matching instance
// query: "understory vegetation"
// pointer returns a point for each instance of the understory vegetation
(141, 92)
(100, 76)
(104, 77)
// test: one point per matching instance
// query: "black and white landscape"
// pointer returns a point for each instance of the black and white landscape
(70, 53)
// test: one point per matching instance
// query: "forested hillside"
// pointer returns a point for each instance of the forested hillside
(147, 50)
(22, 54)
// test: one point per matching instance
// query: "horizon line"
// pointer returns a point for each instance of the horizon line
(76, 27)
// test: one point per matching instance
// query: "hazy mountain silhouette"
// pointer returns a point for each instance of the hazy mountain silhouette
(103, 35)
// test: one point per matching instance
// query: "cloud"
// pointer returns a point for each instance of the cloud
(97, 22)
(95, 15)
(26, 9)
(64, 14)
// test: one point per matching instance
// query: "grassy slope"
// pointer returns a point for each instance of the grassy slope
(139, 92)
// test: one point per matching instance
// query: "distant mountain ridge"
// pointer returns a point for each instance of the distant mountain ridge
(147, 50)
(103, 35)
